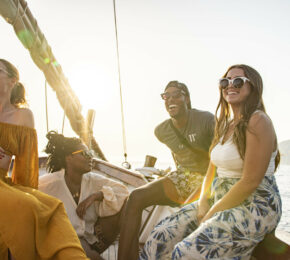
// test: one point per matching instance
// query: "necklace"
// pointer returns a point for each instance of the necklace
(76, 195)
(75, 190)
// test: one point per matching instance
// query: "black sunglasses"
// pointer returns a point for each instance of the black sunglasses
(237, 82)
(175, 94)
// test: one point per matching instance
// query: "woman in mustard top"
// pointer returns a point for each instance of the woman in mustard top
(33, 225)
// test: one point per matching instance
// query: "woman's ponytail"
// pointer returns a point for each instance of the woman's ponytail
(18, 95)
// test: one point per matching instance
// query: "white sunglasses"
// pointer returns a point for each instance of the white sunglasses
(237, 82)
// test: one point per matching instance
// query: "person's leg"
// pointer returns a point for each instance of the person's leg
(160, 192)
(229, 234)
(109, 227)
(92, 254)
(168, 232)
(106, 230)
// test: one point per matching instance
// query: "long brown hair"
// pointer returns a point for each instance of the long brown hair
(17, 97)
(253, 102)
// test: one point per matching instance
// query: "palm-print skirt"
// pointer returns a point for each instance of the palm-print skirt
(229, 234)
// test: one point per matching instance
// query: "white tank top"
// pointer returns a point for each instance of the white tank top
(229, 163)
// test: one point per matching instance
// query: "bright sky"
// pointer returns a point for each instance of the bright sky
(159, 40)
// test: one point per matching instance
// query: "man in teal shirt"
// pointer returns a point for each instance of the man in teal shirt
(188, 134)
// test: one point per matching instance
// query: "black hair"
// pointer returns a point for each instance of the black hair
(57, 148)
(181, 86)
(17, 97)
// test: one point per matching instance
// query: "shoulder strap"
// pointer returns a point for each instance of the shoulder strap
(184, 141)
(174, 159)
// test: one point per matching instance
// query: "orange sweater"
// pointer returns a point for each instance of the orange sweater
(21, 141)
(33, 225)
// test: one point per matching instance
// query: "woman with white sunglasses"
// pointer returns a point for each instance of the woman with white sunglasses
(242, 203)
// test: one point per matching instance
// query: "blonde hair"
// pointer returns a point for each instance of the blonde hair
(17, 97)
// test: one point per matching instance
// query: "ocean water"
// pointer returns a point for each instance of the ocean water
(283, 182)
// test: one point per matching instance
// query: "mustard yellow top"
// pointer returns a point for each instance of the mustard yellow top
(21, 141)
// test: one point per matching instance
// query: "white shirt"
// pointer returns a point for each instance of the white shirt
(229, 163)
(114, 196)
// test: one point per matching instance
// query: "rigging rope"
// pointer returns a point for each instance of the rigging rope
(46, 109)
(62, 129)
(125, 163)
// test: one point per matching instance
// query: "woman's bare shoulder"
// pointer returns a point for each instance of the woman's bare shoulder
(24, 116)
(260, 122)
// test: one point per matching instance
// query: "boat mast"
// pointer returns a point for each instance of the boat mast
(17, 13)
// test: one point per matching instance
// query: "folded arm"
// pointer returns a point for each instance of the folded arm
(110, 196)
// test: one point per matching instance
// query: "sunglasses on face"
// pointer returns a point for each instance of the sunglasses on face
(237, 82)
(175, 94)
(85, 153)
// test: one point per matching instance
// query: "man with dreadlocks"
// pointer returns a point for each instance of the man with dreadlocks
(188, 134)
(93, 203)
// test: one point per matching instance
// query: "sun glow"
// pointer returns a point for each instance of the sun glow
(195, 196)
(93, 86)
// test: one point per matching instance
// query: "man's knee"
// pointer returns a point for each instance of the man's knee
(136, 198)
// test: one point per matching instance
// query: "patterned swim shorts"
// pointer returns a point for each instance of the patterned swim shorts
(186, 182)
